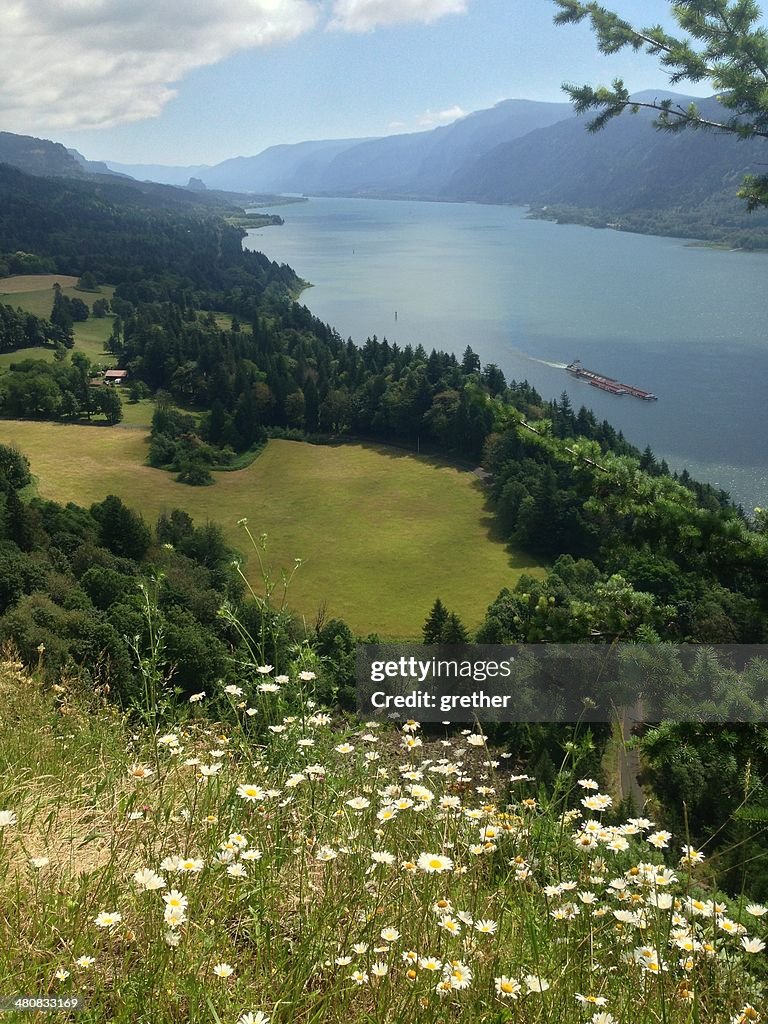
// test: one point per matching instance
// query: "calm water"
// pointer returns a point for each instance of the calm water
(686, 323)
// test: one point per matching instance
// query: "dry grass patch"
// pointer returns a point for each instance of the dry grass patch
(35, 282)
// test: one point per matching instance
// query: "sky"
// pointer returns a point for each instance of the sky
(186, 82)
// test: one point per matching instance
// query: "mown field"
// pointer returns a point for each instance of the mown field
(34, 293)
(381, 533)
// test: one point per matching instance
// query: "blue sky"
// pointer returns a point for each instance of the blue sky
(197, 84)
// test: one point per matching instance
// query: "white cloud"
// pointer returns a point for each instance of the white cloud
(75, 64)
(430, 118)
(365, 15)
(397, 125)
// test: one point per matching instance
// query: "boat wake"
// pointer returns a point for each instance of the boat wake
(543, 362)
(546, 362)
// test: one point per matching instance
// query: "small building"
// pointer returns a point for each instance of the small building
(115, 376)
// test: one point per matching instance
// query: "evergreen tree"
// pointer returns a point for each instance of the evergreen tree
(454, 631)
(61, 317)
(122, 531)
(725, 44)
(435, 623)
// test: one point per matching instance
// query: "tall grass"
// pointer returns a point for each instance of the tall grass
(299, 867)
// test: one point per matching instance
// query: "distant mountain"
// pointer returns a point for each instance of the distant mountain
(418, 164)
(421, 164)
(38, 156)
(94, 166)
(165, 175)
(628, 165)
(286, 168)
(289, 168)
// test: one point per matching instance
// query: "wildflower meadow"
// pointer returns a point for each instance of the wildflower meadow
(280, 863)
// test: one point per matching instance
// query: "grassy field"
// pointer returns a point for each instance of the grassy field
(34, 293)
(382, 533)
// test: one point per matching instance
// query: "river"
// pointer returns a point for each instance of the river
(686, 322)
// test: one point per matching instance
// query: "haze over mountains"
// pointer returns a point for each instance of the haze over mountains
(519, 151)
(417, 164)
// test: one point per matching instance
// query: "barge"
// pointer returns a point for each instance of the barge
(613, 387)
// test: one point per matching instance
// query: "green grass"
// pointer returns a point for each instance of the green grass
(137, 414)
(34, 294)
(7, 358)
(381, 533)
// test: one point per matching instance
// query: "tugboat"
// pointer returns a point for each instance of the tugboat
(613, 387)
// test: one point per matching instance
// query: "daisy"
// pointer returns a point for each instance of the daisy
(85, 962)
(459, 974)
(434, 863)
(174, 917)
(140, 771)
(535, 984)
(390, 934)
(756, 909)
(358, 803)
(729, 927)
(223, 970)
(174, 898)
(253, 1018)
(486, 927)
(382, 857)
(659, 839)
(598, 802)
(507, 988)
(250, 792)
(752, 945)
(191, 866)
(8, 818)
(379, 969)
(325, 854)
(691, 856)
(39, 862)
(450, 925)
(344, 748)
(149, 880)
(107, 918)
(618, 844)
